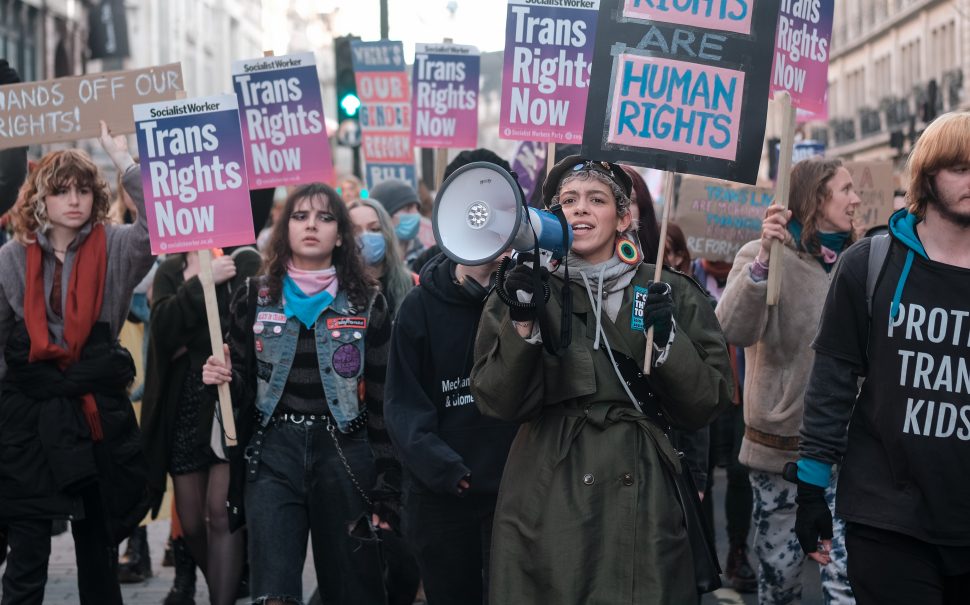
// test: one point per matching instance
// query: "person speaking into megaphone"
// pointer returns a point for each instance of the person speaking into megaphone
(589, 500)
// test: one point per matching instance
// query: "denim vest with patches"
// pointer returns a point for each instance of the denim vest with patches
(340, 332)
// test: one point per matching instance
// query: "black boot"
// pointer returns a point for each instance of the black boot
(183, 589)
(167, 560)
(135, 566)
(741, 577)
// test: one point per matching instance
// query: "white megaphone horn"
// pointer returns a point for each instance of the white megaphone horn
(479, 213)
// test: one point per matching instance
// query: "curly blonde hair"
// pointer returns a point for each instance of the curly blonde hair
(56, 170)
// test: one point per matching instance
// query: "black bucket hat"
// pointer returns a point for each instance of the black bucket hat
(575, 163)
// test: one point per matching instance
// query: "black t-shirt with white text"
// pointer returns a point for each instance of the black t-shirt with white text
(907, 461)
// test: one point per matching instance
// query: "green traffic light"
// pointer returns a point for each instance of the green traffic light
(350, 104)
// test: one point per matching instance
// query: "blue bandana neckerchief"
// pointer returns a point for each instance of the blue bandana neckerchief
(305, 308)
(833, 241)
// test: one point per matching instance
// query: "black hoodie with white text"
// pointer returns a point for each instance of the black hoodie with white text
(429, 409)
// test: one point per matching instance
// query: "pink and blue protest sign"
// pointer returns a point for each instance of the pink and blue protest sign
(801, 59)
(445, 95)
(546, 74)
(682, 86)
(726, 15)
(284, 134)
(193, 171)
(385, 112)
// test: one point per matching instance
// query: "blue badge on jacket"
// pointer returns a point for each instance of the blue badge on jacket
(639, 304)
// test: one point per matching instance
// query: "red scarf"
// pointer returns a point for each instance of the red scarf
(85, 292)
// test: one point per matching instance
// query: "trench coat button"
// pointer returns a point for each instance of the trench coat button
(587, 409)
(627, 479)
(588, 479)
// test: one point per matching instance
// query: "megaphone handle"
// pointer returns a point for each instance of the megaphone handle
(659, 261)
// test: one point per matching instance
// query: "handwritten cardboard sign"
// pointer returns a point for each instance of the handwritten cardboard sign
(67, 109)
(718, 217)
(445, 95)
(193, 170)
(801, 60)
(546, 74)
(682, 86)
(283, 127)
(873, 182)
(385, 112)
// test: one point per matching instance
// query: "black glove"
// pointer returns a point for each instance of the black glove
(8, 75)
(813, 519)
(522, 279)
(659, 312)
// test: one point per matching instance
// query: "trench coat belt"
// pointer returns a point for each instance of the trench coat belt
(602, 415)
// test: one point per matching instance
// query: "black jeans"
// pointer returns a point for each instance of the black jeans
(302, 489)
(451, 539)
(886, 568)
(97, 558)
(726, 432)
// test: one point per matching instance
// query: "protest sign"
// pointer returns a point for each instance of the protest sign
(282, 115)
(669, 82)
(67, 109)
(445, 95)
(529, 166)
(545, 76)
(193, 171)
(385, 111)
(873, 183)
(801, 59)
(718, 217)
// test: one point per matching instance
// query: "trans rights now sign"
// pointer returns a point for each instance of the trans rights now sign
(682, 85)
(193, 171)
(545, 77)
(445, 95)
(284, 134)
(801, 59)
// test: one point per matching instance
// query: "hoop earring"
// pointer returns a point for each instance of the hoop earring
(628, 252)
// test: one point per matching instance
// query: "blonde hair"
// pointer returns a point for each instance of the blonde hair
(944, 143)
(56, 170)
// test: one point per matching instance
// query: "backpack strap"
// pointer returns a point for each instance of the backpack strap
(878, 251)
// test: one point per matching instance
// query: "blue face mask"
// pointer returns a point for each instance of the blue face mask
(407, 229)
(372, 246)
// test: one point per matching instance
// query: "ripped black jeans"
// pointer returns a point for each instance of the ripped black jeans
(300, 488)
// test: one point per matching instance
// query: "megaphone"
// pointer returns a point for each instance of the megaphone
(480, 212)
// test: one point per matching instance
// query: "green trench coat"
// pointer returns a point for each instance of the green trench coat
(587, 514)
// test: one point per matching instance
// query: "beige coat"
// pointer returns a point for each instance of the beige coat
(778, 354)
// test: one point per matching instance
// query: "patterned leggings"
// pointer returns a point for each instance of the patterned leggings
(780, 558)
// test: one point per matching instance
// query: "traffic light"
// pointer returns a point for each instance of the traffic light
(347, 101)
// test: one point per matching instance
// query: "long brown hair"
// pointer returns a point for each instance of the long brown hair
(55, 170)
(351, 276)
(808, 192)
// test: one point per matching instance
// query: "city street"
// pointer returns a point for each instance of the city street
(62, 582)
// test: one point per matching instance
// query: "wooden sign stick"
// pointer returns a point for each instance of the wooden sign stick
(550, 157)
(781, 190)
(440, 165)
(659, 262)
(215, 335)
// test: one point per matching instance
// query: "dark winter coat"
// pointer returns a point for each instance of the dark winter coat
(179, 339)
(46, 453)
(587, 510)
